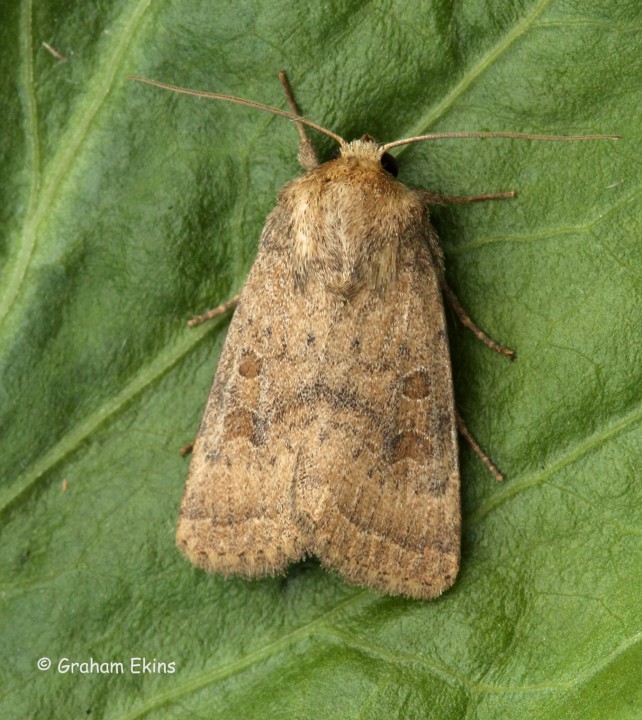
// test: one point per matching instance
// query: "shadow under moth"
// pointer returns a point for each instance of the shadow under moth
(330, 428)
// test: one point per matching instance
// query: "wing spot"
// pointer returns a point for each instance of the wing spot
(416, 385)
(408, 445)
(250, 365)
(241, 423)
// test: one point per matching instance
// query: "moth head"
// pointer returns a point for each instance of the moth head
(368, 150)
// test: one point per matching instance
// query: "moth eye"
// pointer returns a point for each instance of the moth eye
(389, 164)
(336, 154)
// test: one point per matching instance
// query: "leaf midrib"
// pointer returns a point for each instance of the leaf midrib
(45, 190)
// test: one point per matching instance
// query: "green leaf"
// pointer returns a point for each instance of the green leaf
(126, 209)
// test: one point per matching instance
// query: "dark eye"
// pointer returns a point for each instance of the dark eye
(389, 164)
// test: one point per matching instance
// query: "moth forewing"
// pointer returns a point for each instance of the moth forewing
(382, 497)
(233, 516)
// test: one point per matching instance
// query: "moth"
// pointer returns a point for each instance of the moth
(331, 428)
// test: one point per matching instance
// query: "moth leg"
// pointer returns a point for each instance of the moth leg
(466, 434)
(307, 154)
(464, 318)
(186, 449)
(214, 312)
(468, 322)
(437, 199)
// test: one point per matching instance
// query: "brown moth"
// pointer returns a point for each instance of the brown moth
(330, 428)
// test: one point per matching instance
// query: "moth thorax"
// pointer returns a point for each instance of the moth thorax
(347, 218)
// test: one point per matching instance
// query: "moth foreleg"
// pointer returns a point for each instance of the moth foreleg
(307, 154)
(438, 199)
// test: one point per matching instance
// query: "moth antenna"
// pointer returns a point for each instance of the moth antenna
(241, 101)
(510, 136)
